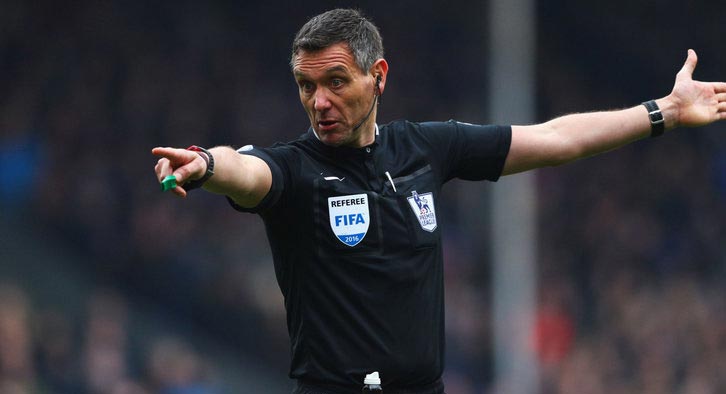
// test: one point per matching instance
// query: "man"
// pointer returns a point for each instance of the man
(350, 206)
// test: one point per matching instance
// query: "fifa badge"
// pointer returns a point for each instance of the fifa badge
(349, 217)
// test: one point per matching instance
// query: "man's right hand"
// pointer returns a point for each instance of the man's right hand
(184, 165)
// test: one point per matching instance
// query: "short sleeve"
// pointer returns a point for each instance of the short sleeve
(468, 151)
(272, 157)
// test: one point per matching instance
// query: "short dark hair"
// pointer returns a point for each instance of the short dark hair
(341, 25)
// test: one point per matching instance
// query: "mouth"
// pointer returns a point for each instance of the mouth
(327, 125)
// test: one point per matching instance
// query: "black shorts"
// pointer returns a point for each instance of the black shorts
(306, 388)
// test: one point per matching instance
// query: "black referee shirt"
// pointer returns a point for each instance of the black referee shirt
(356, 244)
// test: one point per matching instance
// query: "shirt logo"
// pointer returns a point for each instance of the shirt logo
(349, 217)
(246, 148)
(423, 207)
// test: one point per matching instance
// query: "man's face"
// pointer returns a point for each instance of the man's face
(336, 95)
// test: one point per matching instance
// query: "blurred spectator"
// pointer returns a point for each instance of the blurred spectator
(57, 352)
(17, 373)
(174, 368)
(554, 328)
(105, 347)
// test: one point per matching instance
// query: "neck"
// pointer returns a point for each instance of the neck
(367, 134)
(364, 139)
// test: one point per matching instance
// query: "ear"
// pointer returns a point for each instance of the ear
(380, 69)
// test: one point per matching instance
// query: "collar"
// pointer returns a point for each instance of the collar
(375, 143)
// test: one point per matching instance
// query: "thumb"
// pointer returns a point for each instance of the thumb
(689, 66)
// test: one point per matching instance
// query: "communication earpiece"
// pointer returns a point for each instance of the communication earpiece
(378, 87)
(376, 100)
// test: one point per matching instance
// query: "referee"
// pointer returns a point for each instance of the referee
(350, 207)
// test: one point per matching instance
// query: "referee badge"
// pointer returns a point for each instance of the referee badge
(349, 217)
(423, 207)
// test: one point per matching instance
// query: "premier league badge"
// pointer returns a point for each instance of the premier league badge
(349, 217)
(423, 207)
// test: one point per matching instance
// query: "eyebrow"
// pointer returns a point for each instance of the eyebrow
(336, 69)
(330, 70)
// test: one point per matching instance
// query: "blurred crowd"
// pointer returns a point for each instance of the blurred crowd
(632, 243)
(632, 251)
(45, 350)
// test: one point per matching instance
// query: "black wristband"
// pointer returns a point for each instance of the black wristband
(209, 159)
(657, 123)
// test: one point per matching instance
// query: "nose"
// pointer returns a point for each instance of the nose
(321, 102)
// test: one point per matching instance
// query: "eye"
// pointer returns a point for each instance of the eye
(336, 82)
(306, 86)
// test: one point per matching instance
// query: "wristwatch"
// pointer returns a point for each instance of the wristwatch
(209, 159)
(657, 123)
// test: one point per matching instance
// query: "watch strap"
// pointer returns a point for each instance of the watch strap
(209, 159)
(657, 123)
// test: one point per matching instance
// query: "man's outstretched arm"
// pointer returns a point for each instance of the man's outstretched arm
(571, 137)
(245, 179)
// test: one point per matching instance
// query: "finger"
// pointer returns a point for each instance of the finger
(159, 151)
(174, 154)
(162, 168)
(179, 191)
(184, 172)
(689, 66)
(719, 87)
(169, 153)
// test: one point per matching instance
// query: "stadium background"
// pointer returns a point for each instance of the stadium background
(108, 286)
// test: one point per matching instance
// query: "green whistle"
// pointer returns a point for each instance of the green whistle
(168, 183)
